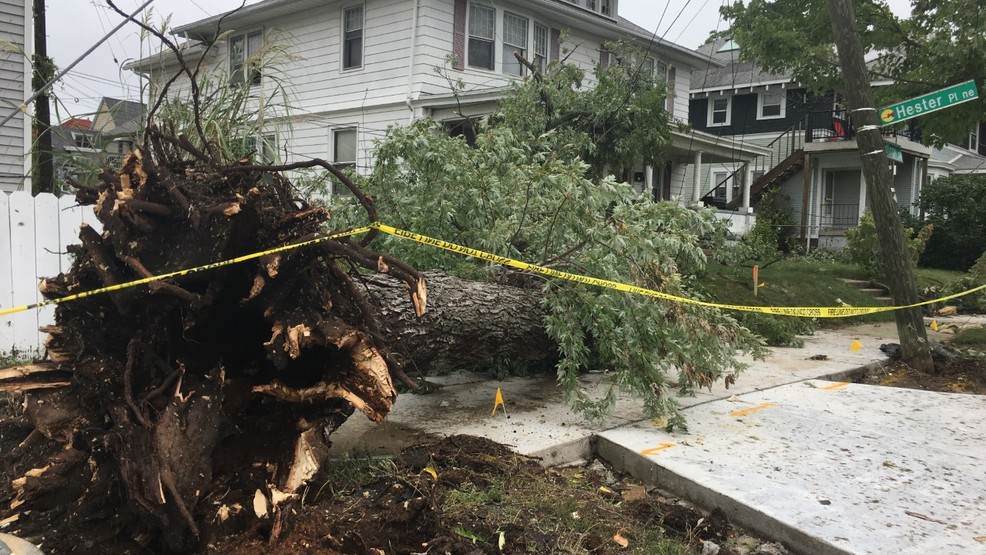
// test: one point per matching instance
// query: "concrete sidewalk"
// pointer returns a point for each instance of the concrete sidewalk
(823, 466)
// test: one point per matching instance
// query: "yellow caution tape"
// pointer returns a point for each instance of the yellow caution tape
(179, 273)
(798, 312)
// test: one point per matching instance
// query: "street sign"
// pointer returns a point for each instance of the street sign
(931, 102)
(894, 152)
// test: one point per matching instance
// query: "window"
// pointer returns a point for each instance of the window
(772, 104)
(591, 4)
(974, 138)
(82, 140)
(352, 37)
(540, 46)
(344, 146)
(604, 7)
(719, 108)
(244, 67)
(719, 193)
(462, 128)
(661, 72)
(482, 30)
(514, 40)
(265, 149)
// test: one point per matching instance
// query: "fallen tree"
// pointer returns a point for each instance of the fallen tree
(200, 405)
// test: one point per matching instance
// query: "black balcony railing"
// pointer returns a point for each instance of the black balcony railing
(839, 216)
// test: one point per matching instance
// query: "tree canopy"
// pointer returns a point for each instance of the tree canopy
(943, 43)
(534, 186)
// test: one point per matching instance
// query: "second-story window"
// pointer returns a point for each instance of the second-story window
(482, 35)
(772, 104)
(352, 37)
(540, 46)
(244, 50)
(719, 111)
(604, 7)
(514, 40)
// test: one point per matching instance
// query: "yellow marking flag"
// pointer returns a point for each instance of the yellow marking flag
(934, 325)
(498, 402)
(856, 346)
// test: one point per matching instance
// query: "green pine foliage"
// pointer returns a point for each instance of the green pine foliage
(537, 186)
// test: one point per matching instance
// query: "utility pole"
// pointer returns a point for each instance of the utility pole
(894, 257)
(44, 166)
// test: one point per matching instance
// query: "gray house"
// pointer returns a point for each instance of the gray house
(15, 85)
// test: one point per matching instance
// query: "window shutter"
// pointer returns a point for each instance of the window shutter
(670, 99)
(459, 34)
(555, 48)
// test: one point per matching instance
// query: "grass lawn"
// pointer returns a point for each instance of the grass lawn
(804, 282)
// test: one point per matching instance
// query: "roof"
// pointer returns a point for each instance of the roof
(733, 73)
(959, 159)
(77, 123)
(126, 115)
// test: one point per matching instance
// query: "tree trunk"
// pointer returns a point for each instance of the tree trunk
(469, 324)
(894, 256)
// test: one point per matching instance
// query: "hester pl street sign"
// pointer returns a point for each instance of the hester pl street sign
(931, 102)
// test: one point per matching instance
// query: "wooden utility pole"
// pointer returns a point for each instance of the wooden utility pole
(894, 256)
(44, 167)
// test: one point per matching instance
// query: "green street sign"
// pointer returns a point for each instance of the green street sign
(894, 152)
(931, 102)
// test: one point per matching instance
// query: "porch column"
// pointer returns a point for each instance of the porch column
(747, 183)
(649, 181)
(862, 197)
(697, 178)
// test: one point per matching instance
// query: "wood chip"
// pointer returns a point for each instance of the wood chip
(621, 541)
(260, 504)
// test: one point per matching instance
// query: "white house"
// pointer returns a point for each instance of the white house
(16, 30)
(353, 68)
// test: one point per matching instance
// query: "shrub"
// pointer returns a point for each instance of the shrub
(956, 206)
(862, 247)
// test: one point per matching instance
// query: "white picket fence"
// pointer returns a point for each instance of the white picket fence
(34, 234)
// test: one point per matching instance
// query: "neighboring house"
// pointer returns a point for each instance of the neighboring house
(354, 68)
(813, 158)
(76, 151)
(118, 123)
(16, 32)
(81, 147)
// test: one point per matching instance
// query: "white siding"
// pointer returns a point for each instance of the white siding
(14, 86)
(322, 96)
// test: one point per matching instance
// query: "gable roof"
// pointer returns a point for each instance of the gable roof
(119, 116)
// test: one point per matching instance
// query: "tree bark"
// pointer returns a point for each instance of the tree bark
(469, 324)
(894, 256)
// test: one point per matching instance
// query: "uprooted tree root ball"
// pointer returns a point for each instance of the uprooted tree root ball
(162, 402)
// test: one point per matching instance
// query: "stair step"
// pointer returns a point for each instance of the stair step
(883, 299)
(857, 282)
(871, 291)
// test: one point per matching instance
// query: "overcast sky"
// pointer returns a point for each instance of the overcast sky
(75, 25)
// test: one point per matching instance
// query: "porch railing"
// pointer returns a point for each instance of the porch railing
(786, 144)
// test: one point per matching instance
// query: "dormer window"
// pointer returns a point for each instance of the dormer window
(604, 7)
